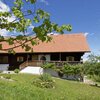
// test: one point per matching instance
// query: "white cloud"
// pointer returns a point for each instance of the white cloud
(53, 33)
(6, 33)
(3, 32)
(86, 34)
(12, 18)
(85, 57)
(4, 7)
(31, 26)
(44, 1)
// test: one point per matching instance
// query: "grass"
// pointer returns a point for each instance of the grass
(23, 89)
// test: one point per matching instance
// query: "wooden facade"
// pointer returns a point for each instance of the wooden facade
(15, 60)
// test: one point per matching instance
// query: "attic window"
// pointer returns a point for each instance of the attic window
(70, 58)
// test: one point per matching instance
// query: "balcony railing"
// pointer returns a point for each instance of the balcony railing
(40, 63)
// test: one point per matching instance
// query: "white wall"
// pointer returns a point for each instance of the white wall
(32, 70)
(4, 67)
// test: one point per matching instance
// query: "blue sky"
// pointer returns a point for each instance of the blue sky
(83, 15)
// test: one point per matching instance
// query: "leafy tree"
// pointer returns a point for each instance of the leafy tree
(92, 67)
(73, 69)
(93, 58)
(21, 23)
(48, 65)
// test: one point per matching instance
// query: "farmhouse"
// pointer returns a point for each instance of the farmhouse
(63, 48)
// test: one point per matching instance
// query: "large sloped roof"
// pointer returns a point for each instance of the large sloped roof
(59, 43)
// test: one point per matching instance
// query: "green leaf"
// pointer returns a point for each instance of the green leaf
(10, 41)
(23, 21)
(32, 1)
(29, 11)
(11, 51)
(20, 37)
(36, 20)
(27, 48)
(54, 26)
(0, 46)
(69, 28)
(37, 30)
(33, 42)
(1, 38)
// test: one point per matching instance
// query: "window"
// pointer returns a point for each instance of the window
(70, 58)
(3, 59)
(43, 58)
(35, 57)
(20, 59)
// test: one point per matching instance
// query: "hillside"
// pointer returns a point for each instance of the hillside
(21, 88)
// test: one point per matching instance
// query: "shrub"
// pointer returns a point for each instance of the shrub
(44, 81)
(97, 69)
(46, 77)
(93, 70)
(96, 78)
(89, 68)
(16, 70)
(73, 69)
(60, 71)
(78, 69)
(48, 65)
(8, 76)
(68, 69)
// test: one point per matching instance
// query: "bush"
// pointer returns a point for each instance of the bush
(92, 68)
(67, 69)
(78, 69)
(96, 78)
(60, 71)
(48, 65)
(16, 70)
(89, 68)
(44, 81)
(72, 69)
(46, 77)
(8, 76)
(97, 69)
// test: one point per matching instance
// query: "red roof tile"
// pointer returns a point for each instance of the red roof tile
(59, 43)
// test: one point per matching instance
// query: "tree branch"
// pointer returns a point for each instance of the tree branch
(20, 44)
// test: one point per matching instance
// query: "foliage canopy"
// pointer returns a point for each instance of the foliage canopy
(40, 18)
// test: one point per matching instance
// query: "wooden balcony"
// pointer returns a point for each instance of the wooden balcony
(40, 63)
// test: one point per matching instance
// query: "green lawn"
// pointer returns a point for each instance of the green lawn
(23, 89)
